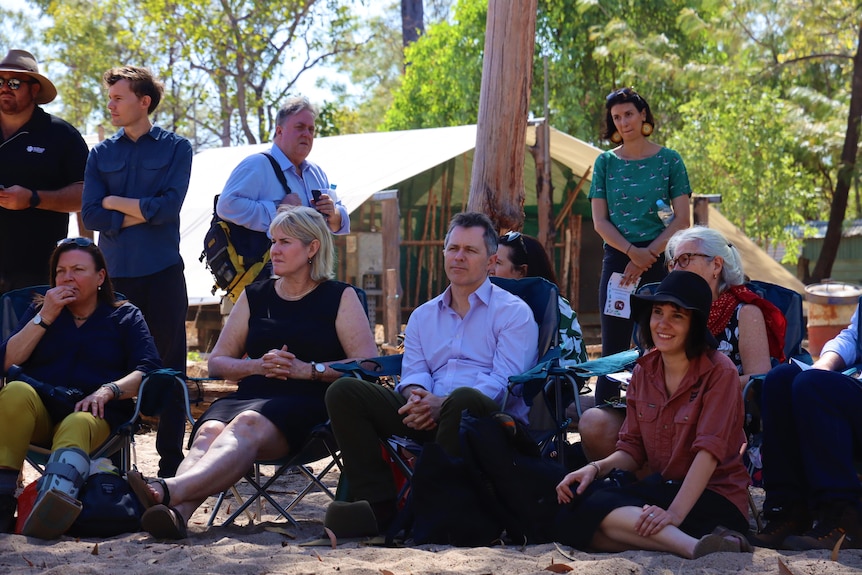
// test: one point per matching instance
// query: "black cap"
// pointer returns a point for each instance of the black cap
(685, 289)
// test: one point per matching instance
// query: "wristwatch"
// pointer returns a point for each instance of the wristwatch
(317, 369)
(35, 200)
(40, 321)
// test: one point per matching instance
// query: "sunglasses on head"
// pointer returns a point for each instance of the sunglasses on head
(509, 237)
(80, 242)
(625, 93)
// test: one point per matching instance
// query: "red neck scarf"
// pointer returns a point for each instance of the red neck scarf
(722, 309)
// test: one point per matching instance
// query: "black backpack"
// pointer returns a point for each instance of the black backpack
(236, 255)
(500, 490)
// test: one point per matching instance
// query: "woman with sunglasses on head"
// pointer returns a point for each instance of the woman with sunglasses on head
(520, 256)
(627, 183)
(78, 337)
(684, 426)
(278, 343)
(749, 329)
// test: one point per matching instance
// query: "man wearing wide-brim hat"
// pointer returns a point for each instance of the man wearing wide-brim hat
(42, 160)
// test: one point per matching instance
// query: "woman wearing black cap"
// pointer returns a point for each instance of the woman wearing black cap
(684, 422)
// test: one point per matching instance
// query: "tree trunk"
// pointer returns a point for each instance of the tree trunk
(497, 182)
(838, 209)
(412, 21)
(544, 189)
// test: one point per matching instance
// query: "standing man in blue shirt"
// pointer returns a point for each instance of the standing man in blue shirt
(134, 186)
(253, 193)
(459, 350)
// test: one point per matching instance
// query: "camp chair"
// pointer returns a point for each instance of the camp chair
(155, 388)
(13, 304)
(319, 445)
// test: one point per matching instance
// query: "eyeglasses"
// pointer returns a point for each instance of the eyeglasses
(682, 260)
(14, 83)
(80, 242)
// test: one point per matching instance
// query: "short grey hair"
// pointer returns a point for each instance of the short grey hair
(294, 106)
(307, 224)
(712, 243)
(475, 220)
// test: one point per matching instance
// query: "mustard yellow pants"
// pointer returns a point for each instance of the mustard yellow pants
(24, 420)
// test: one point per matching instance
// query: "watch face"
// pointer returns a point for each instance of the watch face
(319, 367)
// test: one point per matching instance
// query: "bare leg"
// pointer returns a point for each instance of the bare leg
(599, 429)
(219, 457)
(617, 533)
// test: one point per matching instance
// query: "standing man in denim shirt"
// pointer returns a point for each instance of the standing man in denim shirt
(134, 186)
(253, 193)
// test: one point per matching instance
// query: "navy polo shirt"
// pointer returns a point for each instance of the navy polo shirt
(47, 153)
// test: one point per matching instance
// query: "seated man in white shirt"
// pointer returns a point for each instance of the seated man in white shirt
(459, 351)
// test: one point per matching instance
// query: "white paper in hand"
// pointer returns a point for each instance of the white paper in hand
(619, 304)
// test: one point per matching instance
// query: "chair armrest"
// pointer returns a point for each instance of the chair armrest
(373, 368)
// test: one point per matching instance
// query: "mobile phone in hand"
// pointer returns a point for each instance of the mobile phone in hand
(315, 194)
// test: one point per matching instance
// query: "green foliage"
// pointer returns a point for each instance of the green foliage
(734, 147)
(227, 65)
(444, 73)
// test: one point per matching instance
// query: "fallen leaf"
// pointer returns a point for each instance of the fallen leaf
(563, 553)
(29, 563)
(559, 568)
(386, 572)
(837, 547)
(95, 550)
(281, 530)
(331, 536)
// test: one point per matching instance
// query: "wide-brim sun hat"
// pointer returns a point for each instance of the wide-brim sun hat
(24, 62)
(685, 289)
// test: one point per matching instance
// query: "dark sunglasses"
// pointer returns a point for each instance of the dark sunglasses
(14, 83)
(625, 93)
(510, 237)
(80, 242)
(682, 260)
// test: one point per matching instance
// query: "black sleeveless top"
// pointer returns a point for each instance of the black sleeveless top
(305, 326)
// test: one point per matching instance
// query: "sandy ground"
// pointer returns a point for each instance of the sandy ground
(275, 547)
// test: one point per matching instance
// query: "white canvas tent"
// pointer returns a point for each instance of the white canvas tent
(363, 164)
(359, 165)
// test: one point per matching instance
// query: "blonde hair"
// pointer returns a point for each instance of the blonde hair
(307, 224)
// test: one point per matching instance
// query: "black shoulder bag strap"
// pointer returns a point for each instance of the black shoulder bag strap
(278, 173)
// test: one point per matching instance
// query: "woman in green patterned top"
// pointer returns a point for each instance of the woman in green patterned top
(520, 256)
(630, 184)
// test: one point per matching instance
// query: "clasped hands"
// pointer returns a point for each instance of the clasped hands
(422, 409)
(640, 260)
(282, 364)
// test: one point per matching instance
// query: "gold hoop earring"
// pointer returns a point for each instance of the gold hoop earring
(616, 138)
(646, 129)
